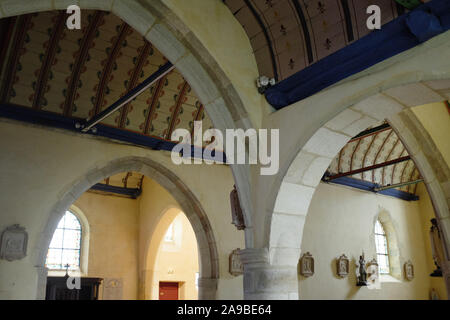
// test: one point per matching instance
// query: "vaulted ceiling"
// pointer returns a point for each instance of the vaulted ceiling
(78, 73)
(379, 146)
(289, 35)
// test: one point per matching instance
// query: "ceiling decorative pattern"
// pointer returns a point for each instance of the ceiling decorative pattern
(79, 73)
(289, 35)
(125, 184)
(131, 180)
(378, 147)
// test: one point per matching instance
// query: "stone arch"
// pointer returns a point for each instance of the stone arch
(306, 170)
(162, 27)
(165, 218)
(316, 128)
(189, 204)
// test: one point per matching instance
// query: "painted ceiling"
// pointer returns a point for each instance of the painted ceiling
(289, 35)
(375, 148)
(78, 73)
(131, 180)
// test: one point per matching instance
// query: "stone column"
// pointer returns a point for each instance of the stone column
(42, 273)
(207, 288)
(263, 281)
(446, 276)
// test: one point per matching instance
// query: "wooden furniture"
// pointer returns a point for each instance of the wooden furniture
(57, 289)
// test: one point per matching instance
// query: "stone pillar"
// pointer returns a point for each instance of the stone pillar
(263, 281)
(42, 273)
(446, 276)
(207, 288)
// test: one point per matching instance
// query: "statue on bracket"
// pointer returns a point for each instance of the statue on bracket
(436, 246)
(14, 243)
(409, 270)
(307, 265)
(236, 267)
(343, 266)
(373, 274)
(237, 218)
(362, 274)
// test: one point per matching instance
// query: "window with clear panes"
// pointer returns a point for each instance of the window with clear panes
(382, 248)
(65, 247)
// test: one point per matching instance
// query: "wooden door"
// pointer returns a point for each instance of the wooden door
(168, 291)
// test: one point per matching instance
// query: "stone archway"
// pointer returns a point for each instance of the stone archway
(151, 259)
(315, 129)
(161, 26)
(209, 263)
(306, 171)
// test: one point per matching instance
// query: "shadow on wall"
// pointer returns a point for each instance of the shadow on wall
(352, 280)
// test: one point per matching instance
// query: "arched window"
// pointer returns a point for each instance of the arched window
(169, 236)
(382, 249)
(65, 247)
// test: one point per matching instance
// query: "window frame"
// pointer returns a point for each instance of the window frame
(172, 233)
(386, 246)
(81, 242)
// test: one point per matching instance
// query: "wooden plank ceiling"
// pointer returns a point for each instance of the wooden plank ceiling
(78, 73)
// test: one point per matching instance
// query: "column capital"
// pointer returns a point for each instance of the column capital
(254, 256)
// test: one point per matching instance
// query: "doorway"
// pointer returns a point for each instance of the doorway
(168, 291)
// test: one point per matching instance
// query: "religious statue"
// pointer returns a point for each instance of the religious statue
(436, 247)
(362, 277)
(307, 265)
(235, 264)
(409, 270)
(237, 217)
(343, 266)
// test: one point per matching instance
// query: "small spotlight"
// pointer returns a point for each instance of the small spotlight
(263, 83)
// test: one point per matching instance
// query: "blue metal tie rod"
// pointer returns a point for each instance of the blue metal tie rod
(161, 72)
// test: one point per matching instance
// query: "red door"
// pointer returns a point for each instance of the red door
(168, 291)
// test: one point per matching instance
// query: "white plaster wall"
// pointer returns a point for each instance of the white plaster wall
(341, 221)
(38, 166)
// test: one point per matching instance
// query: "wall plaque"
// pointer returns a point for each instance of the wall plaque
(236, 267)
(14, 243)
(343, 266)
(409, 270)
(113, 289)
(307, 265)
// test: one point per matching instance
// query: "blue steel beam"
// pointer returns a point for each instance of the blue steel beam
(140, 88)
(130, 192)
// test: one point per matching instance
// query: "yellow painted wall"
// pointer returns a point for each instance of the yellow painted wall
(113, 241)
(435, 118)
(426, 214)
(341, 221)
(158, 209)
(177, 261)
(31, 155)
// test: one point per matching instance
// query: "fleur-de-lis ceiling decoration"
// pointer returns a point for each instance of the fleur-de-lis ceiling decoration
(283, 30)
(328, 44)
(291, 63)
(321, 7)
